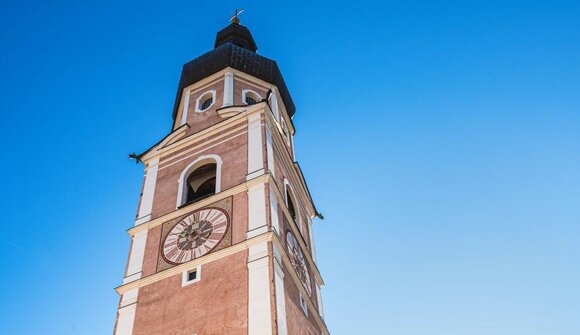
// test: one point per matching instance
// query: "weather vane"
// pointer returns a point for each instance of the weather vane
(235, 19)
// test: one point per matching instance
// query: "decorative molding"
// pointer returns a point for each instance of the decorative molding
(229, 111)
(194, 262)
(188, 153)
(174, 136)
(197, 137)
(199, 204)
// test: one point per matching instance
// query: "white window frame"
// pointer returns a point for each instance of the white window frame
(200, 161)
(252, 94)
(203, 97)
(185, 275)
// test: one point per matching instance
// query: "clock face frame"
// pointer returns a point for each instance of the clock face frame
(195, 235)
(298, 262)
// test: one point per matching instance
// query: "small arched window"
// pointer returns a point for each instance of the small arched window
(250, 97)
(201, 183)
(250, 100)
(291, 207)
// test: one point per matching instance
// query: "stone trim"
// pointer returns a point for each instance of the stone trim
(197, 205)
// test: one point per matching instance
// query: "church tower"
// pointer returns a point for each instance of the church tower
(222, 241)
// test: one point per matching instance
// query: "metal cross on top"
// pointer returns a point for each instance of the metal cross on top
(235, 19)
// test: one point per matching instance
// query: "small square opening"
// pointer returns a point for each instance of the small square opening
(192, 275)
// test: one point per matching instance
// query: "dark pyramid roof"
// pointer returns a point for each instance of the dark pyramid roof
(234, 47)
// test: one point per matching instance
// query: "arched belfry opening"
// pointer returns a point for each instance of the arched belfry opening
(291, 207)
(201, 183)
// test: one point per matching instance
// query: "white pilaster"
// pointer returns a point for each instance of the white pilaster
(228, 89)
(148, 192)
(274, 104)
(310, 233)
(259, 312)
(185, 108)
(255, 145)
(280, 292)
(274, 212)
(136, 257)
(319, 299)
(126, 314)
(257, 223)
(270, 152)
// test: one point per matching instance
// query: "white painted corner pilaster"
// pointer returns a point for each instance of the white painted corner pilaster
(280, 292)
(259, 310)
(257, 223)
(228, 89)
(185, 108)
(270, 153)
(126, 313)
(319, 300)
(255, 146)
(312, 245)
(136, 256)
(274, 219)
(146, 205)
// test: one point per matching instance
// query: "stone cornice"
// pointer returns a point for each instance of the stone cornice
(194, 262)
(197, 205)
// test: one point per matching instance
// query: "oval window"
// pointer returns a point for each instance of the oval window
(206, 103)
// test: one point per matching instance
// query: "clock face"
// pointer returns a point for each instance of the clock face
(298, 261)
(195, 235)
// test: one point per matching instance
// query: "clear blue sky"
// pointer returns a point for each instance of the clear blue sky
(440, 139)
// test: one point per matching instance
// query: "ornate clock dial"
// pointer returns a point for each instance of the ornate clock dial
(195, 235)
(297, 260)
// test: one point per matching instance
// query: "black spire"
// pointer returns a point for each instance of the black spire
(237, 35)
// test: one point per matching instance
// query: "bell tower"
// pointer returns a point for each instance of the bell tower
(222, 242)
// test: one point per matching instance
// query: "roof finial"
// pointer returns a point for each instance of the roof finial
(235, 19)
